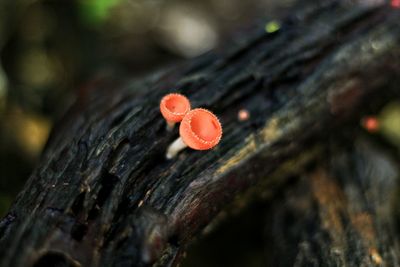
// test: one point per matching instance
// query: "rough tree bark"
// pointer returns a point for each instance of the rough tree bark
(342, 210)
(104, 194)
(342, 213)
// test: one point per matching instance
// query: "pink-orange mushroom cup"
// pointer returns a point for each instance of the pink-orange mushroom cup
(173, 108)
(200, 129)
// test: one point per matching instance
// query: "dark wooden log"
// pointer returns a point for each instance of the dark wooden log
(341, 211)
(344, 213)
(104, 194)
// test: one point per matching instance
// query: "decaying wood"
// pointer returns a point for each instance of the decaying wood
(342, 210)
(104, 194)
(341, 214)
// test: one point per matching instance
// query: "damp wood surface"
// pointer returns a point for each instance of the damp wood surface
(103, 193)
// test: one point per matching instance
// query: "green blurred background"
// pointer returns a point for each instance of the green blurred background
(50, 48)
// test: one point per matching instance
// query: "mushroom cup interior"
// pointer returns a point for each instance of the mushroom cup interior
(177, 105)
(205, 126)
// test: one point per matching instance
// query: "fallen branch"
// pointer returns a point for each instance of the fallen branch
(104, 194)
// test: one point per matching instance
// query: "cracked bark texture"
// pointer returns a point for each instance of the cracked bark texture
(103, 193)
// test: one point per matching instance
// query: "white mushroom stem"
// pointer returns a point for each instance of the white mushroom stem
(174, 148)
(170, 125)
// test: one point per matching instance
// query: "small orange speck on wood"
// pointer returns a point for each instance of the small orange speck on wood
(370, 123)
(243, 115)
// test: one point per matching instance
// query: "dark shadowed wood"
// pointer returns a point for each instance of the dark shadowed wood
(341, 214)
(342, 210)
(104, 194)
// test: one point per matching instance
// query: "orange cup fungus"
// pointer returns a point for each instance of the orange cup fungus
(174, 107)
(200, 129)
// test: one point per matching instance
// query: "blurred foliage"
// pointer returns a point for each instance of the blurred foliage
(272, 26)
(389, 119)
(96, 11)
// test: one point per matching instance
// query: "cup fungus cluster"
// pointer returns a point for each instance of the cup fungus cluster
(200, 129)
